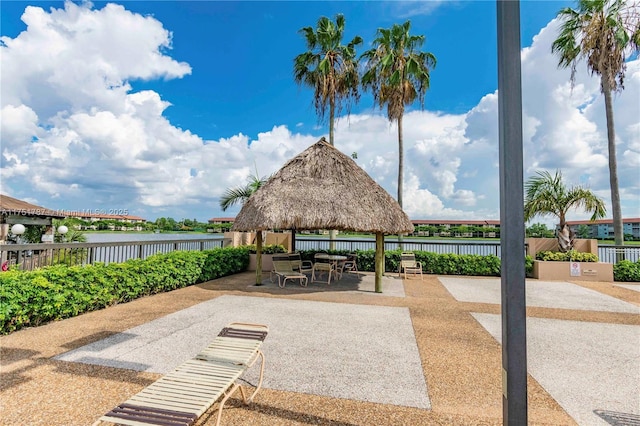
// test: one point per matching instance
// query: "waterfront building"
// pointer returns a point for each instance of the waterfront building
(603, 229)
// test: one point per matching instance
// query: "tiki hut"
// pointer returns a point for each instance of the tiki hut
(322, 188)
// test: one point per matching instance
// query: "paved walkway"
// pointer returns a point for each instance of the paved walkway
(425, 352)
(359, 352)
(588, 367)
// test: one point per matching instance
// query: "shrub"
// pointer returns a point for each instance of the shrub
(528, 266)
(626, 270)
(267, 248)
(31, 298)
(432, 263)
(571, 255)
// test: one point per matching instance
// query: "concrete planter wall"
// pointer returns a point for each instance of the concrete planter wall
(582, 271)
(267, 262)
(534, 245)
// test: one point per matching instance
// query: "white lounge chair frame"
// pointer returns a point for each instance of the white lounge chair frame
(283, 269)
(182, 396)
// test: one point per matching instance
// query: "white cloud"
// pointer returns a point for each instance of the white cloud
(73, 128)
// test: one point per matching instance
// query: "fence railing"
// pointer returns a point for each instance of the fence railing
(611, 254)
(482, 248)
(606, 253)
(30, 256)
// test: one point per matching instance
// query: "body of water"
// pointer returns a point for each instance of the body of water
(116, 237)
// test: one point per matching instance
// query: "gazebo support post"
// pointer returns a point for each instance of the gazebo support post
(379, 260)
(258, 257)
(293, 241)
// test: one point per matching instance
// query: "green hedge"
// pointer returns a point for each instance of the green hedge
(432, 263)
(267, 248)
(31, 298)
(571, 255)
(626, 270)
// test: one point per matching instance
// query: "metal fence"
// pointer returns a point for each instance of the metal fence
(606, 253)
(482, 248)
(611, 254)
(30, 256)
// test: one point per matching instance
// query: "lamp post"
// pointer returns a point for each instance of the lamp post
(62, 230)
(17, 230)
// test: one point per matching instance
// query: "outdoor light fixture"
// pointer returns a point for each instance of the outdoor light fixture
(17, 229)
(62, 229)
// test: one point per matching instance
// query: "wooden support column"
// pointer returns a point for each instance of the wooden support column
(379, 261)
(259, 257)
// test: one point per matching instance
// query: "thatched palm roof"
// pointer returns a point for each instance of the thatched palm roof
(322, 188)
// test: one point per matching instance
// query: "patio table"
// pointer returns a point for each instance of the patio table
(334, 258)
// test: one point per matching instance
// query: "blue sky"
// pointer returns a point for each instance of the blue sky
(245, 84)
(168, 103)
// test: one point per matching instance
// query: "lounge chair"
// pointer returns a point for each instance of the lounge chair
(182, 396)
(283, 269)
(409, 265)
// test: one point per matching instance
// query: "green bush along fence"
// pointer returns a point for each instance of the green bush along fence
(626, 270)
(470, 264)
(31, 298)
(432, 263)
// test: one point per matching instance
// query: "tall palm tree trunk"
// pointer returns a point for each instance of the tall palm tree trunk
(400, 161)
(332, 106)
(613, 164)
(400, 171)
(332, 112)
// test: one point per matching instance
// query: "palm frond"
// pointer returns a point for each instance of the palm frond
(329, 67)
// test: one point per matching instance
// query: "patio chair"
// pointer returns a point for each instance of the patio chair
(304, 266)
(182, 396)
(283, 269)
(409, 265)
(350, 265)
(323, 266)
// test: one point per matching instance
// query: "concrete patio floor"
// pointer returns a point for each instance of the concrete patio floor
(342, 356)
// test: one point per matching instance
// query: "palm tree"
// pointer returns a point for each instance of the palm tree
(547, 195)
(397, 74)
(329, 67)
(241, 194)
(603, 32)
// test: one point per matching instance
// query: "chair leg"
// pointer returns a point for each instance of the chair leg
(259, 385)
(228, 394)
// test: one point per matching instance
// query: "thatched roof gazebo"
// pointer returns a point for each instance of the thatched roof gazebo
(322, 188)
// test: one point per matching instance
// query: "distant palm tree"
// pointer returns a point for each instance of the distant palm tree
(329, 67)
(547, 195)
(603, 32)
(241, 194)
(397, 74)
